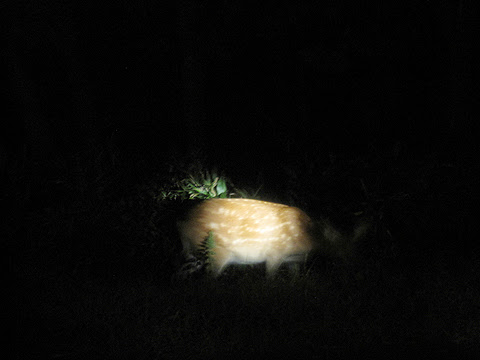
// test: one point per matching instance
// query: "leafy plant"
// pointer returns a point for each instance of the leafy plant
(205, 185)
(207, 250)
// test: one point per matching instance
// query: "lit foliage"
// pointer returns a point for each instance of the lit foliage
(204, 185)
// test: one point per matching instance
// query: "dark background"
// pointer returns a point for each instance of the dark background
(250, 83)
(332, 106)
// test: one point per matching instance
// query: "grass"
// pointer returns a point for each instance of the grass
(337, 312)
(93, 280)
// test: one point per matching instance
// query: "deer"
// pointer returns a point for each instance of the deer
(248, 231)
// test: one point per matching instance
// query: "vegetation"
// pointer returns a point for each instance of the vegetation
(355, 114)
(94, 272)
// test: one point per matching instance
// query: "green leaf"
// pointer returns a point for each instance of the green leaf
(221, 186)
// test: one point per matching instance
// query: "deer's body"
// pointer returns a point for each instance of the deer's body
(248, 231)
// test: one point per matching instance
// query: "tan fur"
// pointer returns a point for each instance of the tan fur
(248, 231)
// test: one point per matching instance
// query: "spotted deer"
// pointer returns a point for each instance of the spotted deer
(246, 231)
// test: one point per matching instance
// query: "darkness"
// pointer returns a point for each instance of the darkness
(337, 107)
